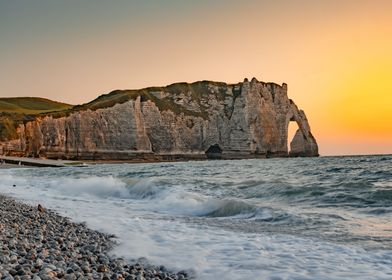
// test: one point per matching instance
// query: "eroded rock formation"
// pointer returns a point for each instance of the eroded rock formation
(248, 119)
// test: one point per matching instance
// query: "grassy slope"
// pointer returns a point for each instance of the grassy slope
(30, 105)
(16, 110)
(197, 90)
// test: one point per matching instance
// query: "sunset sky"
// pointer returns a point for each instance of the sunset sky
(335, 56)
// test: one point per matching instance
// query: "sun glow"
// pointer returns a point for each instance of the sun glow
(335, 56)
(362, 103)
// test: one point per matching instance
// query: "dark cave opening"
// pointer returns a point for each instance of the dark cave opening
(214, 152)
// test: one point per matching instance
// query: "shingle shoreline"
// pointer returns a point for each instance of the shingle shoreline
(37, 243)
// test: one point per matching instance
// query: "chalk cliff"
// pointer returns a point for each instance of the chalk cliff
(198, 120)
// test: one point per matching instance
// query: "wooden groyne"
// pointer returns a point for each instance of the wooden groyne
(39, 162)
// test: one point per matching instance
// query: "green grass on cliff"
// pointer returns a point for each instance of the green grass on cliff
(197, 91)
(17, 110)
(30, 105)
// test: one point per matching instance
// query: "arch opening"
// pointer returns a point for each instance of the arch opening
(214, 152)
(291, 131)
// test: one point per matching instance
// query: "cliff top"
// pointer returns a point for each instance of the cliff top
(14, 111)
(164, 97)
(30, 105)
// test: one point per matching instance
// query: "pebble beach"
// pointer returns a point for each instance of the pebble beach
(37, 243)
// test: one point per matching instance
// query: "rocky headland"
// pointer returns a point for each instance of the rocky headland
(180, 121)
(36, 243)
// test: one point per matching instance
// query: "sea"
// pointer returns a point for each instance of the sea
(281, 218)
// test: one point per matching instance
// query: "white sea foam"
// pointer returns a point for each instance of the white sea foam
(383, 184)
(92, 186)
(170, 224)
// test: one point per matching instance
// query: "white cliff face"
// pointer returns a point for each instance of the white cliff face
(249, 119)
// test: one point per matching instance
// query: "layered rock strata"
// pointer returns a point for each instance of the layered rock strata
(199, 120)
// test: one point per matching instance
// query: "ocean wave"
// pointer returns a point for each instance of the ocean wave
(144, 189)
(102, 187)
(383, 184)
(177, 201)
(277, 218)
(232, 208)
(382, 195)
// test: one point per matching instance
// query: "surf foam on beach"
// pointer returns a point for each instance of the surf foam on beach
(315, 218)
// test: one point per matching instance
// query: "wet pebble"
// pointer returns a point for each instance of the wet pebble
(36, 243)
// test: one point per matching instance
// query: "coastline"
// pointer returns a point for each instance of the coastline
(38, 243)
(17, 161)
(27, 162)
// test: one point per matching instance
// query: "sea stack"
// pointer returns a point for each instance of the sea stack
(181, 121)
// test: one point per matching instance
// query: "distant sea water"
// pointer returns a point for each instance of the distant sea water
(296, 218)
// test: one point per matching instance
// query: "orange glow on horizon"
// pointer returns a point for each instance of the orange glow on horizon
(362, 102)
(335, 56)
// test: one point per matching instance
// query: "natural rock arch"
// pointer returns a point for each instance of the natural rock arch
(303, 143)
(248, 119)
